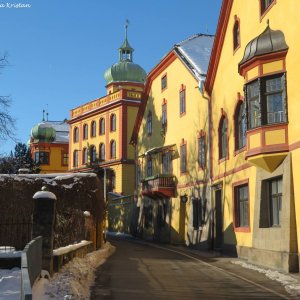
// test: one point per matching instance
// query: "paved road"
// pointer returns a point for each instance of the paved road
(139, 270)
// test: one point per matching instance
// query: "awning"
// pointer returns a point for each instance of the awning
(158, 149)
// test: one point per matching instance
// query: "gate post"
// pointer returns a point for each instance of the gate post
(43, 224)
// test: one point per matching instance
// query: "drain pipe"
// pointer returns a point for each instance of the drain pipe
(209, 168)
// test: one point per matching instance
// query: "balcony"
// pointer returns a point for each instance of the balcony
(159, 186)
(122, 94)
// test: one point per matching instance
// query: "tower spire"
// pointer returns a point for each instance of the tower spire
(125, 51)
(126, 27)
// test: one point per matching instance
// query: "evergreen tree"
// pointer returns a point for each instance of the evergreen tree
(20, 159)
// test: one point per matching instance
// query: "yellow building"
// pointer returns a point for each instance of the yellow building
(170, 137)
(252, 83)
(49, 146)
(100, 129)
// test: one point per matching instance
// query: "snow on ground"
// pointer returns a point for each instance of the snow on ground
(10, 284)
(73, 281)
(7, 251)
(291, 284)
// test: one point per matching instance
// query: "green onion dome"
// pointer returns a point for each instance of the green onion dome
(43, 132)
(125, 70)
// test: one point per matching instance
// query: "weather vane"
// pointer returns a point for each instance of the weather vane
(126, 26)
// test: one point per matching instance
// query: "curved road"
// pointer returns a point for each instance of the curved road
(139, 270)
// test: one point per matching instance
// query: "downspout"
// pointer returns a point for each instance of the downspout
(209, 158)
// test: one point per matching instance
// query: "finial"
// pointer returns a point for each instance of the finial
(126, 26)
(43, 115)
(47, 114)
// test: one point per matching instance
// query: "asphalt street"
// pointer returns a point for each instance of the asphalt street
(139, 270)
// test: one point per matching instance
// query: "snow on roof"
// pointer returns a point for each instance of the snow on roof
(195, 51)
(61, 128)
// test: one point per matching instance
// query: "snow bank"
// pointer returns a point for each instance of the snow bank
(73, 281)
(6, 251)
(291, 284)
(67, 249)
(10, 283)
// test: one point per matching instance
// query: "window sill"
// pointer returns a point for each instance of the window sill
(182, 114)
(242, 229)
(236, 49)
(221, 160)
(236, 152)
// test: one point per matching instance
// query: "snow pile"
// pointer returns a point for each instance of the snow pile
(10, 284)
(291, 285)
(7, 251)
(73, 281)
(67, 249)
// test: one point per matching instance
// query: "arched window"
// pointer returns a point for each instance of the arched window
(76, 135)
(164, 121)
(75, 158)
(113, 149)
(93, 129)
(102, 126)
(223, 144)
(84, 156)
(113, 122)
(236, 34)
(93, 154)
(264, 5)
(149, 123)
(102, 152)
(85, 131)
(240, 126)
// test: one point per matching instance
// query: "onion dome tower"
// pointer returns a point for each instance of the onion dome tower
(124, 71)
(43, 132)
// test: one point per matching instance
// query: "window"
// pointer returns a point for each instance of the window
(112, 149)
(183, 158)
(102, 126)
(202, 151)
(164, 82)
(75, 158)
(65, 158)
(197, 213)
(241, 206)
(93, 129)
(236, 34)
(182, 100)
(75, 134)
(113, 122)
(264, 5)
(85, 131)
(102, 152)
(93, 154)
(149, 123)
(223, 145)
(164, 115)
(149, 166)
(275, 198)
(266, 101)
(41, 157)
(240, 126)
(166, 163)
(84, 156)
(138, 173)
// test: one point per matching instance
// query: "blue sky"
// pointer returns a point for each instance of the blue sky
(59, 49)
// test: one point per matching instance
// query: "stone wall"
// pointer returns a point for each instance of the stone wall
(75, 194)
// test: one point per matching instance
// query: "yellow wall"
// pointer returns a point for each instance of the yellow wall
(55, 161)
(228, 83)
(186, 127)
